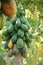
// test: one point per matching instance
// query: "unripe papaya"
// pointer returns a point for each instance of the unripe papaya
(10, 44)
(9, 8)
(24, 51)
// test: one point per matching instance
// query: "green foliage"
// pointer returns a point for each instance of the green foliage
(34, 24)
(1, 21)
(2, 61)
(27, 4)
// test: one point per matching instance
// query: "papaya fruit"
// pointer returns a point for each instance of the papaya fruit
(9, 8)
(18, 14)
(12, 33)
(10, 28)
(27, 36)
(22, 11)
(15, 28)
(24, 51)
(18, 22)
(20, 33)
(13, 20)
(19, 43)
(10, 44)
(5, 32)
(23, 19)
(6, 38)
(28, 24)
(14, 38)
(6, 45)
(24, 27)
(16, 50)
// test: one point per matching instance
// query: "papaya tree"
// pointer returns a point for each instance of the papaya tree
(17, 35)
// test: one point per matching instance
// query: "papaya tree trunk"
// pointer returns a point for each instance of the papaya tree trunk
(18, 59)
(8, 61)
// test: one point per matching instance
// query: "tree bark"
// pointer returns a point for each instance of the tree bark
(18, 59)
(8, 61)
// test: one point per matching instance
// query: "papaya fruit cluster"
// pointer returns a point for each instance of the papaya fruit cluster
(17, 35)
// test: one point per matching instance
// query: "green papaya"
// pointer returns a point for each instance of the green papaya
(12, 33)
(15, 28)
(6, 45)
(19, 43)
(26, 36)
(14, 38)
(23, 19)
(28, 42)
(18, 22)
(21, 11)
(13, 20)
(16, 50)
(28, 24)
(18, 14)
(5, 32)
(6, 38)
(20, 33)
(24, 51)
(24, 27)
(10, 28)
